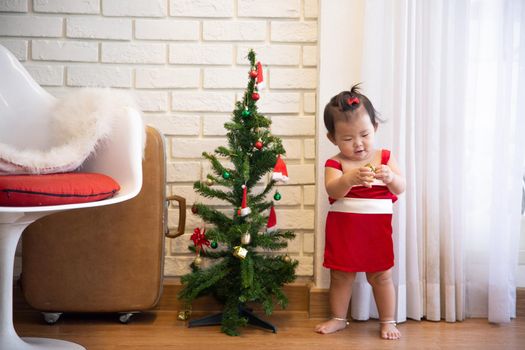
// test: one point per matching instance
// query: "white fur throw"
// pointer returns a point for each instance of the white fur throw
(78, 123)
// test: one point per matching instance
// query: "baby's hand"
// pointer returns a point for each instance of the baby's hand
(361, 176)
(384, 173)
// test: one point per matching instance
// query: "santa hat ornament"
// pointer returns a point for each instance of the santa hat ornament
(271, 226)
(280, 173)
(245, 209)
(260, 76)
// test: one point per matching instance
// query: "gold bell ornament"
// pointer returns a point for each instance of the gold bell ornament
(369, 165)
(185, 314)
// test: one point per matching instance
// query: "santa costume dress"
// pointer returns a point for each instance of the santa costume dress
(359, 227)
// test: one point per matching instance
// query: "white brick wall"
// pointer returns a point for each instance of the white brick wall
(98, 28)
(60, 50)
(202, 8)
(185, 63)
(134, 8)
(70, 6)
(49, 75)
(157, 29)
(31, 26)
(271, 8)
(17, 47)
(13, 5)
(99, 76)
(201, 53)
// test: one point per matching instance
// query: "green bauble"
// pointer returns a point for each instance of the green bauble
(226, 175)
(246, 113)
(277, 196)
(214, 244)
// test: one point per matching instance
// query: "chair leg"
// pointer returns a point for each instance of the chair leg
(9, 236)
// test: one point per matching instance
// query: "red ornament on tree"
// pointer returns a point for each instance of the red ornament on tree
(245, 209)
(260, 76)
(253, 74)
(280, 173)
(259, 145)
(255, 96)
(271, 226)
(199, 239)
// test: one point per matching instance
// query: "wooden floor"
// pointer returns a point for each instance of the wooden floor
(162, 330)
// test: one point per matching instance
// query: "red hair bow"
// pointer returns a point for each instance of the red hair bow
(352, 101)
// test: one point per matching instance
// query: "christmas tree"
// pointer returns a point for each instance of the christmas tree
(243, 245)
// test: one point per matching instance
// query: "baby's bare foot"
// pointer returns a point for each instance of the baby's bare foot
(332, 325)
(389, 330)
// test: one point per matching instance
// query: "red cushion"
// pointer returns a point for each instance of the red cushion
(55, 189)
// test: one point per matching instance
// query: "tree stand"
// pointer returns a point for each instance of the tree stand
(216, 319)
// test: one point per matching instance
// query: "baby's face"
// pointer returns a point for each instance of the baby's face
(355, 137)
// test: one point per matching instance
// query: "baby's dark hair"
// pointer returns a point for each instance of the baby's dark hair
(343, 105)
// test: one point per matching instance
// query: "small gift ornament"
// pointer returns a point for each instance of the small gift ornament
(240, 252)
(280, 173)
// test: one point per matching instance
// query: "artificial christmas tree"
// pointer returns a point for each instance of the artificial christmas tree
(246, 268)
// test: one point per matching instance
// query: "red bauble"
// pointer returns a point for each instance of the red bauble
(253, 74)
(258, 145)
(194, 209)
(239, 212)
(255, 96)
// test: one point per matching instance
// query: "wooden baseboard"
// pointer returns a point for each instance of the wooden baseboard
(298, 299)
(302, 297)
(520, 302)
(319, 307)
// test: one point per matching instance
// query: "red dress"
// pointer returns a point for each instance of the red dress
(359, 227)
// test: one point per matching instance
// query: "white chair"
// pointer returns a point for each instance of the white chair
(24, 111)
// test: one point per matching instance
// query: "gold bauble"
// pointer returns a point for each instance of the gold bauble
(198, 261)
(210, 182)
(287, 259)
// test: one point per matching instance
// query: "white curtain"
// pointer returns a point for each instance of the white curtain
(449, 78)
